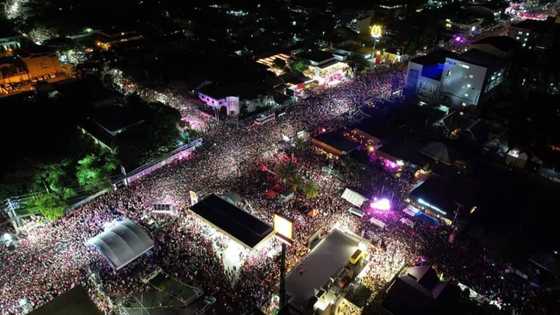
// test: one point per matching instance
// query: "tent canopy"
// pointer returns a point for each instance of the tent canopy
(353, 197)
(122, 242)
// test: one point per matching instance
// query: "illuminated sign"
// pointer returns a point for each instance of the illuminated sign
(283, 228)
(376, 31)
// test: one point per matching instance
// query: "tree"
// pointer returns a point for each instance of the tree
(55, 186)
(94, 171)
(295, 183)
(49, 205)
(54, 179)
(298, 66)
(286, 171)
(311, 190)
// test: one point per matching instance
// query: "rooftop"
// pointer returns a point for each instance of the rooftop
(122, 242)
(415, 292)
(337, 141)
(478, 57)
(447, 193)
(324, 261)
(248, 230)
(433, 58)
(115, 118)
(503, 43)
(317, 56)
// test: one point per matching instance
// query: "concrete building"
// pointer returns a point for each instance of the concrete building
(228, 99)
(325, 69)
(442, 77)
(9, 43)
(423, 78)
(468, 78)
(20, 73)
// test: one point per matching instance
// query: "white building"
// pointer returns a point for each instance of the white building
(325, 69)
(229, 99)
(468, 78)
(455, 80)
(424, 75)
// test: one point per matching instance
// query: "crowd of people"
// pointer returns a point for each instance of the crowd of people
(53, 258)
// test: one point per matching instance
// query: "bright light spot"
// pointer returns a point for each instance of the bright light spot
(283, 227)
(382, 204)
(376, 31)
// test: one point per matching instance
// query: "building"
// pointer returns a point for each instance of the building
(325, 69)
(447, 200)
(239, 226)
(21, 73)
(309, 285)
(273, 63)
(228, 99)
(298, 86)
(74, 301)
(442, 77)
(418, 290)
(107, 124)
(424, 73)
(9, 43)
(335, 144)
(535, 35)
(220, 98)
(467, 79)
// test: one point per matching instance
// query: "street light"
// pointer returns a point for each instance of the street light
(283, 228)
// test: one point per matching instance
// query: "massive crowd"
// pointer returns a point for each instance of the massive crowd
(54, 258)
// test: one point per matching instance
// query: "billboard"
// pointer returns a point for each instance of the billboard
(283, 228)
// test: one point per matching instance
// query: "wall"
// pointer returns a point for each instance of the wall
(462, 82)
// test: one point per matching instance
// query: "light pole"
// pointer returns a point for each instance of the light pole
(283, 228)
(282, 279)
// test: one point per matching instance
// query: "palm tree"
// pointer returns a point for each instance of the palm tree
(311, 190)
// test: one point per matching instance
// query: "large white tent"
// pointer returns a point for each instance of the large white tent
(122, 242)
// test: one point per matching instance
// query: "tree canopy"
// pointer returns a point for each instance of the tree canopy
(94, 171)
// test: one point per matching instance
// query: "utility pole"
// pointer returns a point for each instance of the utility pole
(282, 310)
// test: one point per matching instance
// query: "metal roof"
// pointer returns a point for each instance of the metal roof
(122, 242)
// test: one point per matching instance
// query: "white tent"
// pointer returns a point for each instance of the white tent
(122, 242)
(353, 197)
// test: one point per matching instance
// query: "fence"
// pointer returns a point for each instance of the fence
(12, 204)
(178, 154)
